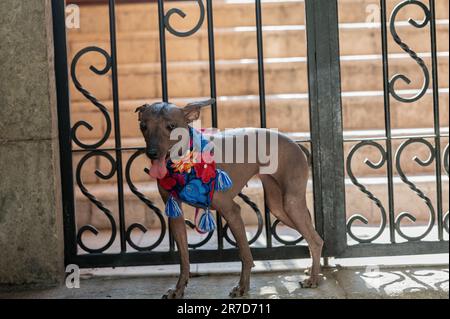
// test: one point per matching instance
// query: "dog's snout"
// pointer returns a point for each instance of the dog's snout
(152, 153)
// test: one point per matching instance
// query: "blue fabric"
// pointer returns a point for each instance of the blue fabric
(173, 210)
(196, 193)
(206, 223)
(223, 181)
(194, 183)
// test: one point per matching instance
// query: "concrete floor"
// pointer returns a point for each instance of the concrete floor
(382, 278)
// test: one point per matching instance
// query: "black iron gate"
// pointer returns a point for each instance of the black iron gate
(400, 242)
(326, 146)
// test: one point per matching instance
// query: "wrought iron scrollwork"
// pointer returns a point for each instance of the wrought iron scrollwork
(201, 243)
(96, 202)
(183, 15)
(148, 203)
(414, 188)
(274, 232)
(408, 50)
(258, 233)
(91, 97)
(446, 168)
(362, 188)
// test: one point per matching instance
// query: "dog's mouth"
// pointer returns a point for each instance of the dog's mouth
(159, 169)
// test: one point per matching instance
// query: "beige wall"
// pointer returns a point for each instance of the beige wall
(31, 239)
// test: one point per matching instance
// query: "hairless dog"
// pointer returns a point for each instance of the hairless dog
(284, 188)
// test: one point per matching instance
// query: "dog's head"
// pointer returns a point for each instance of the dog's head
(157, 121)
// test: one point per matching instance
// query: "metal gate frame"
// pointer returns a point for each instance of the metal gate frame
(326, 106)
(414, 245)
(327, 144)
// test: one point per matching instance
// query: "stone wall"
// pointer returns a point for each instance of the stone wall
(31, 238)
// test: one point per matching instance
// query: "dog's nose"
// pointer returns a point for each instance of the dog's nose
(152, 153)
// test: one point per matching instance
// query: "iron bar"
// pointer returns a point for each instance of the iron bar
(212, 62)
(164, 85)
(324, 78)
(213, 93)
(387, 119)
(261, 80)
(64, 130)
(283, 252)
(163, 51)
(195, 256)
(437, 124)
(393, 138)
(117, 135)
(262, 102)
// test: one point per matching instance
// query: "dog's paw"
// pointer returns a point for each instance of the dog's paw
(238, 291)
(173, 294)
(310, 283)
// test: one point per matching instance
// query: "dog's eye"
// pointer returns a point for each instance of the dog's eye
(143, 126)
(171, 127)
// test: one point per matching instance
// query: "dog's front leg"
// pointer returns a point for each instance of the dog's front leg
(178, 230)
(179, 233)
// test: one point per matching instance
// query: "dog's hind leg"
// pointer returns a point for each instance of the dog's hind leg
(292, 212)
(298, 212)
(231, 212)
(274, 200)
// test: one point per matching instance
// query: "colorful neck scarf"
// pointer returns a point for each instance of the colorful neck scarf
(193, 179)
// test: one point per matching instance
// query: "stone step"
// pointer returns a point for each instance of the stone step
(240, 77)
(366, 10)
(287, 113)
(144, 17)
(365, 38)
(356, 202)
(359, 168)
(240, 42)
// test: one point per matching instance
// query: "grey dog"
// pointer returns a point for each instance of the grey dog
(285, 189)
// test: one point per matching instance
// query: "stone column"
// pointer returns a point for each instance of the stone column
(31, 238)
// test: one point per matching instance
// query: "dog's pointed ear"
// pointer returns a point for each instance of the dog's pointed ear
(192, 110)
(140, 109)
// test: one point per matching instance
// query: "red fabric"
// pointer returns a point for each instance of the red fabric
(205, 172)
(168, 182)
